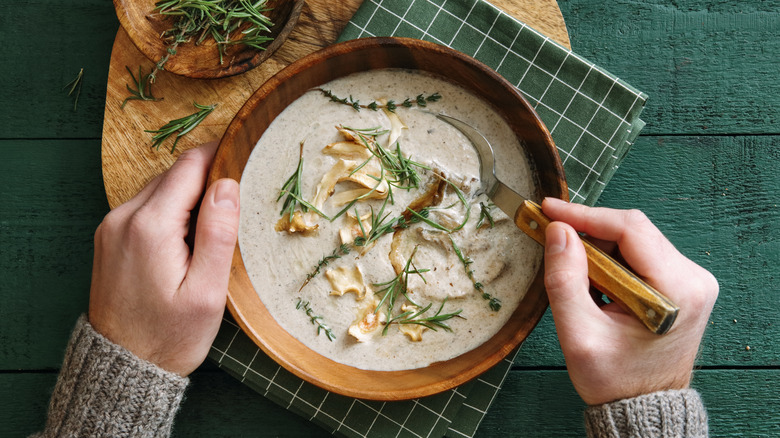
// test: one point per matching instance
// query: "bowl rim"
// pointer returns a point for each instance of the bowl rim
(432, 379)
(148, 42)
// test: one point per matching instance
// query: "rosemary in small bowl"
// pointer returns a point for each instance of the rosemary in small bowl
(207, 38)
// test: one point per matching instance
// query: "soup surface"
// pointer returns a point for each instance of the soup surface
(378, 252)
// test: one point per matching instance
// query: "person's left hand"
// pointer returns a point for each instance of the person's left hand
(150, 293)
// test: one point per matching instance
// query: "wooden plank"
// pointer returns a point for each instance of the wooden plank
(709, 67)
(707, 70)
(38, 65)
(715, 198)
(741, 403)
(50, 204)
(533, 403)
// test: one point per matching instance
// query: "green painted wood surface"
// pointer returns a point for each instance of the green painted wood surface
(710, 67)
(534, 403)
(705, 170)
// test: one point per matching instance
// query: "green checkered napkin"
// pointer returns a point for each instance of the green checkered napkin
(593, 118)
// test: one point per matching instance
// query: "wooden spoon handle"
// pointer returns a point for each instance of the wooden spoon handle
(610, 277)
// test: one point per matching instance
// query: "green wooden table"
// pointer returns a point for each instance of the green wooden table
(705, 169)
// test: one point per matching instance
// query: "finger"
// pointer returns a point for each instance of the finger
(602, 223)
(566, 280)
(642, 245)
(180, 187)
(215, 241)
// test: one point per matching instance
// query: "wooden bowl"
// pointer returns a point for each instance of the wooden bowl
(341, 60)
(202, 61)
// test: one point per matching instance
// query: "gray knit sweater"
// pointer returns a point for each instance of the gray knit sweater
(104, 390)
(660, 414)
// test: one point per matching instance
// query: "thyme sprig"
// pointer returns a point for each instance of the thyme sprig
(432, 322)
(227, 22)
(493, 302)
(143, 87)
(485, 214)
(180, 127)
(341, 250)
(421, 100)
(75, 86)
(315, 319)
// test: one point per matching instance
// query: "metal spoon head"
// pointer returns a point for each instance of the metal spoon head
(487, 173)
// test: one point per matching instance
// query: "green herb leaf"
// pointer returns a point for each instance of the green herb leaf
(421, 100)
(143, 87)
(74, 86)
(314, 319)
(227, 22)
(180, 127)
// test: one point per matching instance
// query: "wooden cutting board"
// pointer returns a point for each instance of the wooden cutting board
(128, 160)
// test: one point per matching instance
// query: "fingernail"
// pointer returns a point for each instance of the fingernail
(226, 194)
(552, 200)
(556, 240)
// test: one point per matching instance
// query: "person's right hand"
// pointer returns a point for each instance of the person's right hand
(151, 292)
(609, 354)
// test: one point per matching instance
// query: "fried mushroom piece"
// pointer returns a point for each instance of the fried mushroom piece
(296, 225)
(345, 279)
(413, 331)
(368, 322)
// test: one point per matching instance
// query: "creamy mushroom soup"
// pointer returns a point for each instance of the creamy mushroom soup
(362, 230)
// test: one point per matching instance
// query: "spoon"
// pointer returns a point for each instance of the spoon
(616, 281)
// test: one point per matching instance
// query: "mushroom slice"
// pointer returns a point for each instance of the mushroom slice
(343, 170)
(347, 196)
(412, 331)
(396, 126)
(353, 228)
(328, 183)
(346, 279)
(368, 176)
(296, 225)
(369, 322)
(347, 149)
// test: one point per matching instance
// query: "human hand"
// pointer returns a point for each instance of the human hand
(150, 293)
(610, 355)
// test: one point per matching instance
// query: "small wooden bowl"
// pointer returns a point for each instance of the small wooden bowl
(202, 61)
(341, 60)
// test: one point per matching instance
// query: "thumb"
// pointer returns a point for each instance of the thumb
(215, 238)
(566, 280)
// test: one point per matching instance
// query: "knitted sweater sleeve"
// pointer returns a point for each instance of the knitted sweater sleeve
(678, 413)
(105, 390)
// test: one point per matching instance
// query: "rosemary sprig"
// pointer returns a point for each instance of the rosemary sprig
(75, 86)
(227, 22)
(402, 170)
(431, 322)
(292, 188)
(494, 303)
(398, 286)
(181, 126)
(484, 214)
(316, 320)
(143, 90)
(420, 100)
